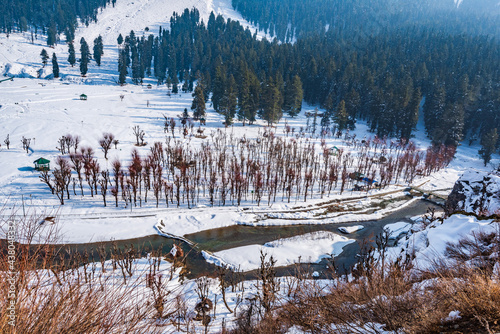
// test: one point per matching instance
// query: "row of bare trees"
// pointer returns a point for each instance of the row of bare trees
(226, 169)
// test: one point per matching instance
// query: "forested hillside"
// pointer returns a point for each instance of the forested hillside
(49, 17)
(381, 79)
(287, 19)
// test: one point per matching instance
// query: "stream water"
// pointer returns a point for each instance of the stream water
(235, 236)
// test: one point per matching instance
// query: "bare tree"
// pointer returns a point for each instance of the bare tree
(26, 144)
(7, 142)
(103, 182)
(116, 173)
(105, 142)
(139, 135)
(77, 160)
(45, 178)
(62, 178)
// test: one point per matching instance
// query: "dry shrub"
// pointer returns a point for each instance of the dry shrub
(53, 295)
(398, 296)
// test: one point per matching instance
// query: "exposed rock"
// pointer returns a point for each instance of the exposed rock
(476, 192)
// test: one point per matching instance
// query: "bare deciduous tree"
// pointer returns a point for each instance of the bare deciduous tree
(105, 142)
(7, 142)
(139, 135)
(26, 143)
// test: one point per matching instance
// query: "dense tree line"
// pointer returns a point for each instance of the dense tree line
(381, 78)
(289, 19)
(48, 17)
(229, 170)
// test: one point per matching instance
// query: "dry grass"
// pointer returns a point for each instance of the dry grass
(399, 298)
(54, 293)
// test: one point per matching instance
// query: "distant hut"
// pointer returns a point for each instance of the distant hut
(42, 164)
(149, 86)
(83, 97)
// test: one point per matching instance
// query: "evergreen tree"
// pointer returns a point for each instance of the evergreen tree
(120, 39)
(434, 108)
(71, 57)
(488, 145)
(122, 68)
(228, 102)
(409, 117)
(69, 32)
(52, 34)
(85, 57)
(55, 66)
(271, 109)
(449, 129)
(136, 66)
(341, 116)
(198, 105)
(219, 87)
(175, 85)
(98, 50)
(244, 103)
(45, 57)
(294, 95)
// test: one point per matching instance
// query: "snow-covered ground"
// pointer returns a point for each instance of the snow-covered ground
(307, 248)
(428, 243)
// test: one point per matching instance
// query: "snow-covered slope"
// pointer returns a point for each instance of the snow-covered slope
(20, 56)
(138, 14)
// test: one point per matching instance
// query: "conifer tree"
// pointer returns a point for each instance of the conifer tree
(52, 34)
(120, 39)
(98, 50)
(45, 57)
(136, 65)
(71, 57)
(85, 57)
(244, 99)
(294, 95)
(488, 145)
(341, 116)
(219, 87)
(228, 102)
(55, 66)
(198, 105)
(122, 68)
(409, 118)
(449, 129)
(271, 109)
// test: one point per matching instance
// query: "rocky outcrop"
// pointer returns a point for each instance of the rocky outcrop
(476, 192)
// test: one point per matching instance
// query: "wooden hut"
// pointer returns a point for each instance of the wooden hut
(83, 97)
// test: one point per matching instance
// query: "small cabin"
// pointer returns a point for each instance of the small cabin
(356, 176)
(149, 86)
(334, 150)
(83, 97)
(42, 164)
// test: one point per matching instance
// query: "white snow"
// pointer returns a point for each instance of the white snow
(306, 248)
(351, 229)
(454, 315)
(397, 229)
(428, 245)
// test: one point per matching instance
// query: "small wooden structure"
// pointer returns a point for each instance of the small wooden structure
(83, 97)
(334, 150)
(357, 176)
(149, 86)
(42, 164)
